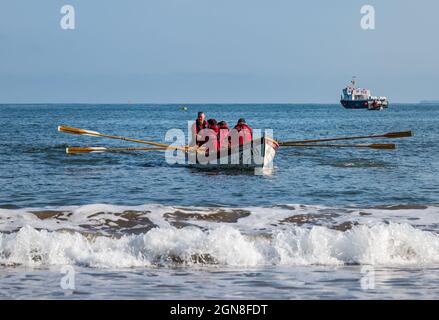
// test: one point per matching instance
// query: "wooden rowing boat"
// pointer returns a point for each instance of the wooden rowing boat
(258, 154)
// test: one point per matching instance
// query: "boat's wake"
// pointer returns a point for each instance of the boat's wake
(107, 236)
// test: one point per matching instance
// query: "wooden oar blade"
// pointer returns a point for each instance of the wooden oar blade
(373, 146)
(382, 146)
(76, 150)
(97, 134)
(402, 134)
(77, 131)
(391, 135)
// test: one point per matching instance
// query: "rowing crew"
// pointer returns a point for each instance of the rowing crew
(217, 135)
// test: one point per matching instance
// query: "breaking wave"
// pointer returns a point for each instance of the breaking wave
(380, 244)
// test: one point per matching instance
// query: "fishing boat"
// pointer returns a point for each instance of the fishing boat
(359, 98)
(258, 154)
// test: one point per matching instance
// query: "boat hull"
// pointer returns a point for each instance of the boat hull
(258, 154)
(361, 104)
(355, 104)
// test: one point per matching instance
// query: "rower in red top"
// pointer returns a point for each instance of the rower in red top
(223, 136)
(244, 132)
(200, 124)
(209, 136)
(213, 134)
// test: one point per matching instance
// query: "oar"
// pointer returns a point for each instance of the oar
(75, 150)
(373, 146)
(390, 135)
(97, 134)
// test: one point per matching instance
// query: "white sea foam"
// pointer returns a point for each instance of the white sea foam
(380, 244)
(103, 236)
(259, 218)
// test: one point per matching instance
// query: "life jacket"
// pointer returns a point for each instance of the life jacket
(213, 135)
(199, 125)
(244, 132)
(223, 136)
(196, 128)
(209, 138)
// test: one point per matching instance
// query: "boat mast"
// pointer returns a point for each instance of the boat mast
(354, 81)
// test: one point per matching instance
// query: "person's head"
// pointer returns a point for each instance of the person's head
(241, 121)
(201, 116)
(223, 125)
(212, 123)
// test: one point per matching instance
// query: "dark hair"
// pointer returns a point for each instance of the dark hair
(242, 120)
(222, 124)
(200, 113)
(212, 122)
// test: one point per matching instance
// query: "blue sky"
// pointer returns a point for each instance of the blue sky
(218, 51)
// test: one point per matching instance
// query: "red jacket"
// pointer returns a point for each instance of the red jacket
(200, 125)
(196, 128)
(210, 136)
(223, 136)
(245, 134)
